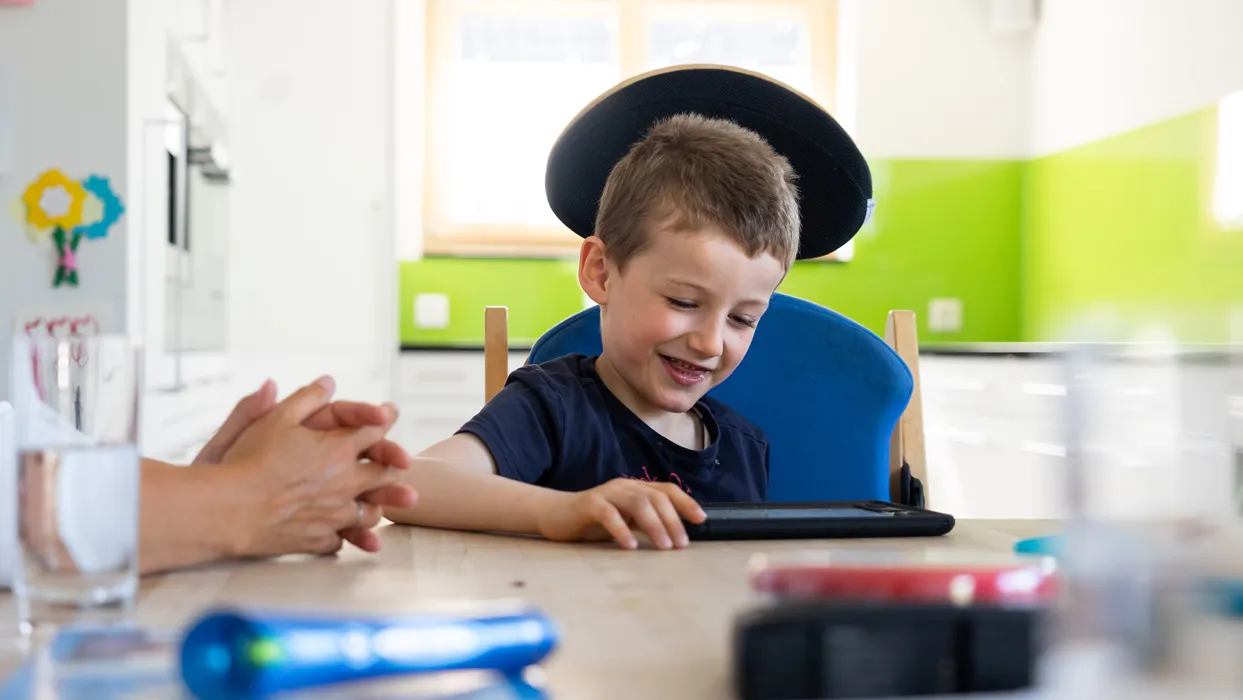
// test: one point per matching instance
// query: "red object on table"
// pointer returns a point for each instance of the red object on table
(963, 585)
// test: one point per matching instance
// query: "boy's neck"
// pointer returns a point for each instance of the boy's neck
(682, 428)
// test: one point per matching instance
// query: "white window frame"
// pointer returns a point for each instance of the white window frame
(1228, 176)
(419, 51)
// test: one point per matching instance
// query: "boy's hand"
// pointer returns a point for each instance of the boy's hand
(611, 509)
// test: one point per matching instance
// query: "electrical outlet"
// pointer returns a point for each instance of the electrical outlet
(431, 311)
(945, 315)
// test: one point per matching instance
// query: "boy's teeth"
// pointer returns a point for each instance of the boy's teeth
(686, 365)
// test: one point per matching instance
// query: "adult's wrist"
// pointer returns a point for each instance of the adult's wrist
(189, 516)
(235, 496)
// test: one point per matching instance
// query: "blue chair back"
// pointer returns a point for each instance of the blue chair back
(826, 390)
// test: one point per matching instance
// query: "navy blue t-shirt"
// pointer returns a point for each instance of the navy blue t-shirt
(556, 425)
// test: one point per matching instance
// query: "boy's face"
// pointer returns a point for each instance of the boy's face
(680, 317)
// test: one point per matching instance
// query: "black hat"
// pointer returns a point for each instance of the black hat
(835, 186)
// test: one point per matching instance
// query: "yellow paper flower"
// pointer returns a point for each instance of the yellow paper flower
(54, 200)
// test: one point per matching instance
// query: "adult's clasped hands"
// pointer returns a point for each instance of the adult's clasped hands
(312, 473)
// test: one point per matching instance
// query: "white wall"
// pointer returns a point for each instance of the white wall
(310, 255)
(935, 79)
(68, 111)
(147, 77)
(409, 108)
(1103, 67)
(311, 261)
(173, 51)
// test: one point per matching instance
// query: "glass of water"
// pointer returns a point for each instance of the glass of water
(76, 403)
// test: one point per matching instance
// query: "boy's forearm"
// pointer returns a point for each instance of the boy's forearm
(458, 497)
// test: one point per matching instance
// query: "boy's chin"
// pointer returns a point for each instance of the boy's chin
(674, 401)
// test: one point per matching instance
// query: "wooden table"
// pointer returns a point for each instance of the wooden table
(642, 624)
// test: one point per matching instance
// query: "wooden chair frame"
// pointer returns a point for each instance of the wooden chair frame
(901, 334)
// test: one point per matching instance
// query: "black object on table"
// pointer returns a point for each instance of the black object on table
(824, 519)
(858, 649)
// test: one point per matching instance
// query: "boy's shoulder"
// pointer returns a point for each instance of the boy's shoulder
(560, 376)
(733, 421)
(573, 367)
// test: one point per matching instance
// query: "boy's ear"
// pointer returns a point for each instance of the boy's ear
(593, 270)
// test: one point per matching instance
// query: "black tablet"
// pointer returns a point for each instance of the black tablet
(829, 519)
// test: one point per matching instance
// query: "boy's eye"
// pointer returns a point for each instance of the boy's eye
(681, 303)
(744, 321)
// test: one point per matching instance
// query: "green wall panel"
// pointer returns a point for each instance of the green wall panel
(538, 292)
(1121, 230)
(941, 229)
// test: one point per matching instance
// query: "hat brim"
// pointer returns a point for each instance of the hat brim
(834, 183)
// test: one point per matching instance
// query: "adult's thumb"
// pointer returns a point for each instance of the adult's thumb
(299, 405)
(248, 410)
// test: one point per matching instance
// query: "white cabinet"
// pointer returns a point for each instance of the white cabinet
(1160, 437)
(992, 434)
(438, 391)
(176, 424)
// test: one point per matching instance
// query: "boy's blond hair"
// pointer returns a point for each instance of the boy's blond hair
(700, 172)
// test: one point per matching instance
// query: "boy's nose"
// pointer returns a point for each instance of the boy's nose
(707, 341)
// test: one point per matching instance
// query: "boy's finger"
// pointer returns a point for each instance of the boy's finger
(249, 409)
(304, 402)
(686, 506)
(669, 516)
(643, 513)
(609, 517)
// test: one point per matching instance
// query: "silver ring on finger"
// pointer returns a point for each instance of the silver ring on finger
(362, 512)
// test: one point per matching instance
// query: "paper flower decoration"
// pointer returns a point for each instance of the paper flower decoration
(69, 211)
(67, 250)
(54, 200)
(92, 213)
(17, 210)
(101, 210)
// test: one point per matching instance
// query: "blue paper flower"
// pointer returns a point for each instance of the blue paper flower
(112, 207)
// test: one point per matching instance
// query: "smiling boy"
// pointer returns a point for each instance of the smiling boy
(697, 226)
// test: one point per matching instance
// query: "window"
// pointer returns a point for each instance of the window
(503, 78)
(1228, 184)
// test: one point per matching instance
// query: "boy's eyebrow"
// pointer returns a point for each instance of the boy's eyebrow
(687, 283)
